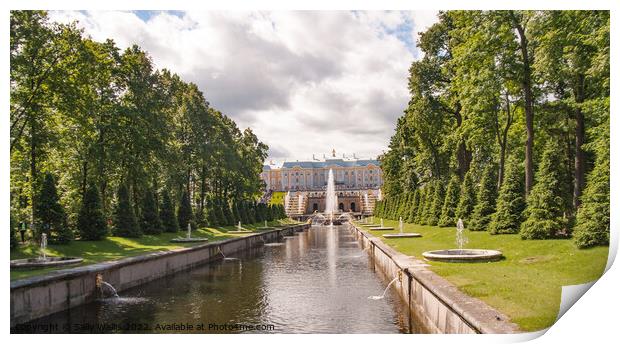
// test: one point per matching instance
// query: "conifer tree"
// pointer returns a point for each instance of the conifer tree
(437, 203)
(184, 213)
(545, 212)
(428, 202)
(91, 222)
(219, 213)
(592, 226)
(467, 198)
(448, 209)
(510, 202)
(125, 222)
(419, 212)
(150, 223)
(243, 211)
(228, 216)
(413, 208)
(235, 212)
(167, 214)
(49, 214)
(485, 201)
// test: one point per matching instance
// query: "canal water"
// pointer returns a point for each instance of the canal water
(317, 281)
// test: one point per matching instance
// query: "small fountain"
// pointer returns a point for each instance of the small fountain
(401, 234)
(380, 297)
(265, 228)
(43, 261)
(331, 199)
(188, 236)
(381, 227)
(227, 259)
(379, 195)
(240, 230)
(463, 255)
(366, 203)
(100, 283)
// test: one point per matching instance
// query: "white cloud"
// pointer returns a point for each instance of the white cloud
(305, 82)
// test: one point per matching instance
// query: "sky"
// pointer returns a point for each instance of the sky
(305, 82)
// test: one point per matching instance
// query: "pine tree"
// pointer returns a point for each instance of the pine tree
(467, 198)
(545, 211)
(592, 226)
(125, 222)
(485, 201)
(167, 214)
(437, 203)
(417, 219)
(90, 221)
(510, 202)
(184, 213)
(219, 213)
(49, 214)
(428, 203)
(150, 223)
(236, 215)
(228, 216)
(448, 209)
(413, 208)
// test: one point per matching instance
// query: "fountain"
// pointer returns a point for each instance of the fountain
(265, 228)
(227, 259)
(379, 195)
(188, 236)
(381, 227)
(43, 261)
(240, 230)
(366, 203)
(379, 297)
(463, 255)
(100, 283)
(300, 204)
(331, 199)
(287, 201)
(401, 234)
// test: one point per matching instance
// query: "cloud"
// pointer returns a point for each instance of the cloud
(306, 82)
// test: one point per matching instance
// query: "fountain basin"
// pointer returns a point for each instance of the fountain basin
(239, 232)
(265, 228)
(403, 235)
(381, 228)
(189, 240)
(463, 255)
(30, 263)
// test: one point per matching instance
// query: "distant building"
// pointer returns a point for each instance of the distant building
(350, 173)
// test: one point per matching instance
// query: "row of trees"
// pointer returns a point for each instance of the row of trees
(111, 134)
(507, 126)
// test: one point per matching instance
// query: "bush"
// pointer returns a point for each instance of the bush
(184, 213)
(485, 201)
(167, 215)
(448, 210)
(91, 222)
(510, 202)
(125, 222)
(467, 198)
(150, 222)
(544, 212)
(50, 216)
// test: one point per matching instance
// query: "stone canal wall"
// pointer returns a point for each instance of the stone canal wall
(35, 297)
(436, 305)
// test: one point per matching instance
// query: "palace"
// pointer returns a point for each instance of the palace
(357, 182)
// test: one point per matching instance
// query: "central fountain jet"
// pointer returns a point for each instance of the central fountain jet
(331, 199)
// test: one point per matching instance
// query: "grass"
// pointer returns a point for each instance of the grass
(113, 248)
(526, 285)
(277, 197)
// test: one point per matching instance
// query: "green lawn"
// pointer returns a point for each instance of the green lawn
(113, 248)
(525, 286)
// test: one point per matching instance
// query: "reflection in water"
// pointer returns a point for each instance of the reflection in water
(316, 282)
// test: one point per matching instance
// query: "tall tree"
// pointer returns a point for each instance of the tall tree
(91, 222)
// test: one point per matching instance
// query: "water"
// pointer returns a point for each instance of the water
(189, 231)
(287, 200)
(300, 204)
(461, 239)
(110, 288)
(331, 199)
(400, 225)
(43, 255)
(366, 203)
(316, 282)
(382, 296)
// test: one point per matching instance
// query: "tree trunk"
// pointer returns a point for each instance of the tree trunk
(526, 85)
(579, 140)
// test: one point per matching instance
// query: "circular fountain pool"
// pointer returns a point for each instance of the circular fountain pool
(463, 255)
(30, 263)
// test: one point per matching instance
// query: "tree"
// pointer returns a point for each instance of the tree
(545, 205)
(125, 222)
(150, 221)
(436, 205)
(485, 201)
(593, 218)
(184, 213)
(467, 198)
(167, 214)
(510, 202)
(50, 216)
(448, 210)
(13, 232)
(413, 209)
(91, 222)
(428, 203)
